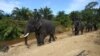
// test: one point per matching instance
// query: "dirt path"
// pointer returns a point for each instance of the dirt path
(66, 45)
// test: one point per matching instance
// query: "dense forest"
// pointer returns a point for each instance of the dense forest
(12, 25)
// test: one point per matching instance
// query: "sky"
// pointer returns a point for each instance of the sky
(55, 5)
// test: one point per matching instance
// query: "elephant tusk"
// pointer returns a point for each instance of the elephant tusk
(26, 35)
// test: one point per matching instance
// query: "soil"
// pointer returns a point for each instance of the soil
(65, 45)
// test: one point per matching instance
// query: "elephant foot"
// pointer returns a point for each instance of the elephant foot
(52, 40)
(49, 41)
(40, 44)
(27, 46)
(55, 37)
(76, 34)
(81, 33)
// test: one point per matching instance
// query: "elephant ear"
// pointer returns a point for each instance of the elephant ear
(38, 25)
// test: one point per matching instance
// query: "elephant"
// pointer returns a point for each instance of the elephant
(95, 26)
(89, 26)
(78, 26)
(42, 28)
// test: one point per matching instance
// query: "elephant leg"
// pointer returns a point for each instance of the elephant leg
(76, 31)
(51, 38)
(26, 42)
(88, 29)
(96, 28)
(38, 39)
(91, 28)
(41, 39)
(39, 43)
(81, 31)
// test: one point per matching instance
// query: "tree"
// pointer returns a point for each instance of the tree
(75, 15)
(91, 5)
(1, 14)
(63, 18)
(87, 15)
(36, 14)
(23, 13)
(98, 12)
(46, 13)
(90, 13)
(10, 29)
(98, 15)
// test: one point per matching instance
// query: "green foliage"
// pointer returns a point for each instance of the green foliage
(45, 13)
(10, 29)
(91, 5)
(56, 23)
(75, 15)
(63, 19)
(98, 25)
(1, 14)
(98, 11)
(21, 13)
(98, 14)
(90, 14)
(87, 15)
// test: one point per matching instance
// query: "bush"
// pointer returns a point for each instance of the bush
(56, 23)
(10, 29)
(98, 25)
(60, 29)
